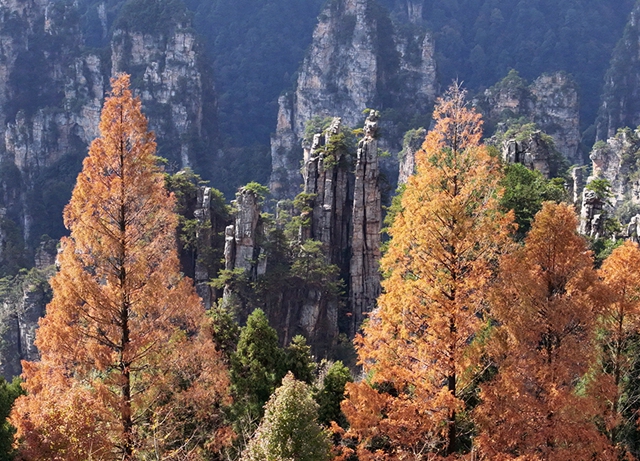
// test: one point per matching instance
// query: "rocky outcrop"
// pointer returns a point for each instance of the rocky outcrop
(364, 273)
(616, 160)
(632, 232)
(357, 60)
(411, 145)
(592, 215)
(242, 250)
(534, 151)
(577, 184)
(326, 179)
(22, 304)
(551, 102)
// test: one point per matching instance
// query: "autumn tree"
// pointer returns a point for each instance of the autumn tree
(289, 430)
(618, 380)
(124, 372)
(545, 304)
(416, 346)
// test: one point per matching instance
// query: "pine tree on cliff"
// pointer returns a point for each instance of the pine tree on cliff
(440, 261)
(545, 303)
(124, 371)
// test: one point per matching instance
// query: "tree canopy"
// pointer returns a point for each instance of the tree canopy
(124, 371)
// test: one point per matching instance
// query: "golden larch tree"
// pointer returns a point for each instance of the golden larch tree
(124, 372)
(619, 329)
(416, 346)
(545, 304)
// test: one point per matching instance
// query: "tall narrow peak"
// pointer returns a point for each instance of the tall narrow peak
(358, 59)
(367, 222)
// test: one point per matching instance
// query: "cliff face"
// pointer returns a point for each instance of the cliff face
(173, 87)
(551, 102)
(621, 96)
(22, 303)
(51, 92)
(357, 59)
(616, 160)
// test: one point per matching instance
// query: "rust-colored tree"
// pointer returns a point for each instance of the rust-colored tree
(124, 372)
(616, 383)
(545, 303)
(417, 345)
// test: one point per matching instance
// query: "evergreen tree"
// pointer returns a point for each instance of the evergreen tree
(257, 366)
(124, 370)
(289, 430)
(9, 392)
(330, 394)
(299, 360)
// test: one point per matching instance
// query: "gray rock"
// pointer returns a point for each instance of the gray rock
(551, 102)
(341, 74)
(364, 274)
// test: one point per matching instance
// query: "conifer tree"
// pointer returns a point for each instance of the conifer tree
(289, 430)
(257, 366)
(441, 258)
(124, 372)
(545, 303)
(617, 383)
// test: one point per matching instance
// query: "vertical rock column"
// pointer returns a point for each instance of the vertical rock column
(367, 221)
(326, 176)
(241, 249)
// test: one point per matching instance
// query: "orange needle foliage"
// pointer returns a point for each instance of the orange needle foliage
(544, 303)
(441, 260)
(124, 372)
(619, 328)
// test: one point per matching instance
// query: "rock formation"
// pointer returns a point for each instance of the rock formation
(242, 251)
(577, 184)
(412, 143)
(616, 160)
(357, 60)
(326, 177)
(621, 95)
(173, 87)
(364, 270)
(534, 152)
(633, 229)
(551, 102)
(51, 93)
(22, 303)
(592, 215)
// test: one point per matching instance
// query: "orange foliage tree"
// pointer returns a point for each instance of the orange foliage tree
(417, 345)
(545, 303)
(124, 373)
(616, 386)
